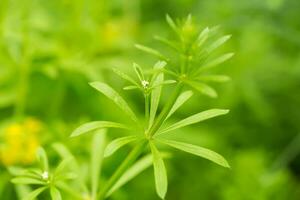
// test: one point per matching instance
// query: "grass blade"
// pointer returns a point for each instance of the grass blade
(183, 97)
(97, 155)
(90, 126)
(115, 97)
(195, 119)
(116, 144)
(160, 173)
(198, 151)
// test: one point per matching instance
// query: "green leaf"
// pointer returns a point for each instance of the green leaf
(114, 96)
(97, 154)
(168, 43)
(198, 151)
(131, 87)
(218, 43)
(32, 195)
(63, 165)
(133, 171)
(27, 181)
(172, 24)
(55, 193)
(156, 92)
(203, 88)
(160, 173)
(203, 37)
(139, 72)
(195, 119)
(151, 51)
(43, 159)
(125, 76)
(183, 97)
(116, 144)
(214, 78)
(90, 126)
(216, 62)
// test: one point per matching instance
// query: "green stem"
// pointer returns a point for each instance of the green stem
(133, 155)
(163, 114)
(147, 106)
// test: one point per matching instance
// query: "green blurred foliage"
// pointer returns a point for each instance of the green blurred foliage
(50, 50)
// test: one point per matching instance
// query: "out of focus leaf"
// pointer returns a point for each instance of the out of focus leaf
(203, 88)
(151, 51)
(55, 193)
(32, 195)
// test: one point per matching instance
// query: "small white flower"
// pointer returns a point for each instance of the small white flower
(45, 175)
(145, 83)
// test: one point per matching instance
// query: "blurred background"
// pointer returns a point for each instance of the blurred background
(50, 50)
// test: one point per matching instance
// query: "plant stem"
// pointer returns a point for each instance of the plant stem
(122, 168)
(147, 106)
(163, 114)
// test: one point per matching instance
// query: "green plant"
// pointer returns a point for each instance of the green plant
(184, 68)
(193, 50)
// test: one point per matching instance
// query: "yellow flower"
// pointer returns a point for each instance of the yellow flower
(20, 142)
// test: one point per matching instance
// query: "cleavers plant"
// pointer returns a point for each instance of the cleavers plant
(185, 67)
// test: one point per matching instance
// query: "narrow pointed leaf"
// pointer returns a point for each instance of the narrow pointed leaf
(203, 88)
(216, 62)
(43, 159)
(55, 193)
(172, 24)
(125, 76)
(203, 37)
(32, 195)
(195, 119)
(156, 92)
(131, 87)
(214, 78)
(91, 126)
(168, 43)
(138, 167)
(218, 43)
(198, 151)
(139, 72)
(27, 181)
(183, 97)
(160, 173)
(115, 97)
(151, 51)
(97, 155)
(116, 144)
